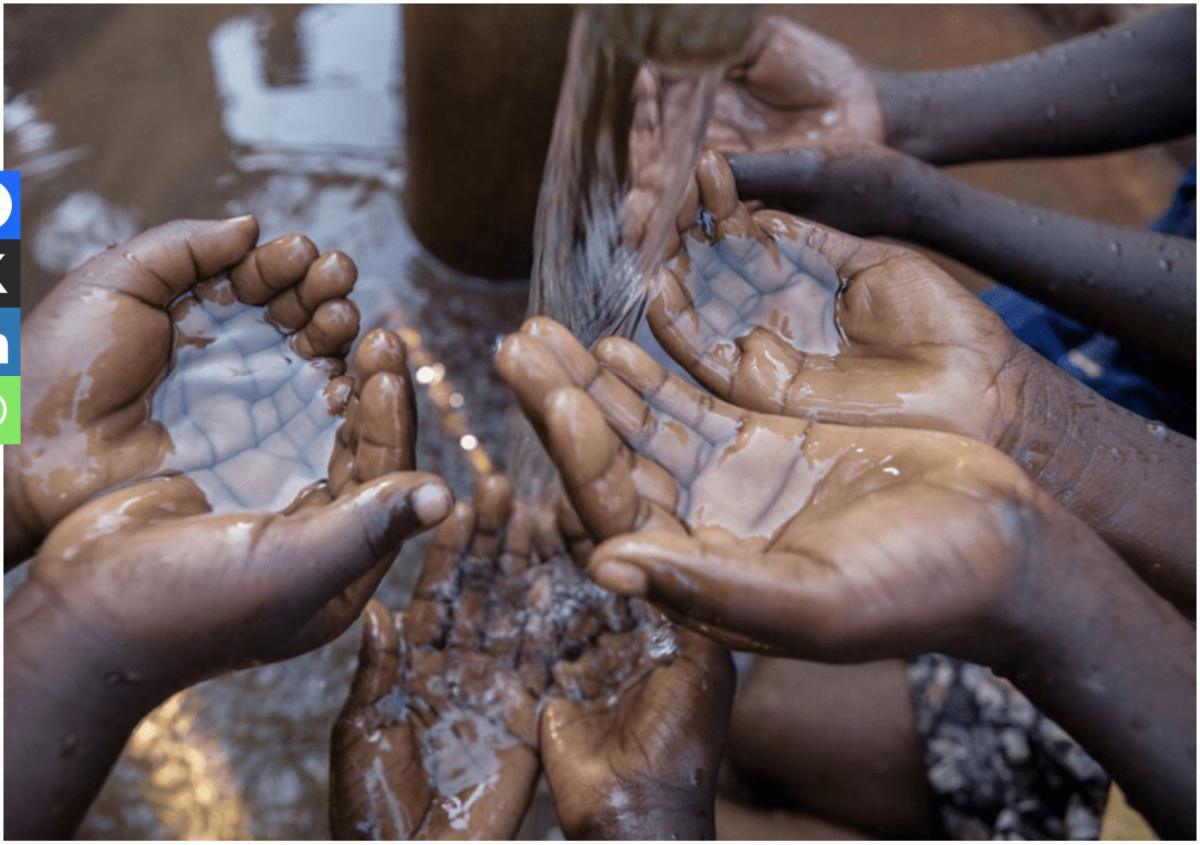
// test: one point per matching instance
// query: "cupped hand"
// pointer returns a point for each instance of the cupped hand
(791, 87)
(108, 344)
(438, 737)
(780, 315)
(823, 541)
(165, 593)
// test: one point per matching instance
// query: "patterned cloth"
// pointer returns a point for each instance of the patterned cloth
(998, 768)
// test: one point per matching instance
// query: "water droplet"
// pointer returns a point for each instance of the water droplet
(1116, 248)
(1037, 220)
(1166, 265)
(70, 741)
(1051, 112)
(1157, 430)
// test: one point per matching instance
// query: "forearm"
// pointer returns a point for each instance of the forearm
(67, 716)
(1135, 285)
(1119, 87)
(1131, 480)
(1114, 665)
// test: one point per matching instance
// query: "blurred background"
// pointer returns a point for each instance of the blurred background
(123, 117)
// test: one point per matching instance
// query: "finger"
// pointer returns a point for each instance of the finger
(378, 657)
(437, 588)
(594, 463)
(271, 268)
(161, 263)
(678, 425)
(379, 350)
(531, 372)
(330, 331)
(493, 507)
(518, 540)
(386, 426)
(718, 191)
(332, 276)
(708, 354)
(717, 586)
(314, 555)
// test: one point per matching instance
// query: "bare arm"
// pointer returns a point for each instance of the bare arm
(1120, 87)
(1136, 285)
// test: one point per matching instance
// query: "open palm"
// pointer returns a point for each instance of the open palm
(789, 87)
(780, 315)
(135, 365)
(823, 541)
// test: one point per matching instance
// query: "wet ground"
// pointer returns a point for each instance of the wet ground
(124, 117)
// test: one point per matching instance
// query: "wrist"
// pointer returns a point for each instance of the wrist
(68, 712)
(679, 817)
(54, 655)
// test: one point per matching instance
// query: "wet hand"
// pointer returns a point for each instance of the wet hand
(438, 737)
(120, 344)
(167, 593)
(792, 87)
(822, 541)
(783, 316)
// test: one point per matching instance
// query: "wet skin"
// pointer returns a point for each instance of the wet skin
(103, 342)
(791, 86)
(780, 315)
(143, 591)
(1134, 284)
(505, 655)
(837, 543)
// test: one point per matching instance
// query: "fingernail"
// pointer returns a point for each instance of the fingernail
(620, 577)
(432, 503)
(241, 218)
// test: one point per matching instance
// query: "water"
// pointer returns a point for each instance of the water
(248, 418)
(623, 148)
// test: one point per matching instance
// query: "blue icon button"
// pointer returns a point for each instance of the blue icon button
(10, 341)
(10, 204)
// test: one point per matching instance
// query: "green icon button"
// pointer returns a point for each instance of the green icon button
(10, 410)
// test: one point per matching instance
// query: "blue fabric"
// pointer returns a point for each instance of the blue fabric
(1136, 380)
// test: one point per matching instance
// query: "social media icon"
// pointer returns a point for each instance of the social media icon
(10, 204)
(10, 410)
(10, 341)
(10, 274)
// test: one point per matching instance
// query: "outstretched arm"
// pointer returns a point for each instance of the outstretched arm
(1136, 285)
(1120, 87)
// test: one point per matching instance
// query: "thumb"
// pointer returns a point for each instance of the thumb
(314, 555)
(723, 588)
(161, 263)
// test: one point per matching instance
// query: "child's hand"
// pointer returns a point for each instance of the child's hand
(438, 739)
(171, 593)
(827, 542)
(790, 87)
(106, 339)
(780, 315)
(633, 732)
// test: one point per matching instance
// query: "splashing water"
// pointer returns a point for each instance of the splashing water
(625, 143)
